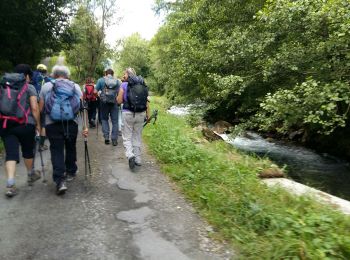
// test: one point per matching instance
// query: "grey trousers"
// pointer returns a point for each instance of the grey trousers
(132, 134)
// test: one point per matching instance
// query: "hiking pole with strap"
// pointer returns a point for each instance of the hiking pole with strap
(37, 140)
(153, 116)
(87, 157)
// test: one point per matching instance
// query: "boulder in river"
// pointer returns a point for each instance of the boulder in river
(222, 127)
(210, 135)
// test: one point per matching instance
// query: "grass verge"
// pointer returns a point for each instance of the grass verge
(259, 222)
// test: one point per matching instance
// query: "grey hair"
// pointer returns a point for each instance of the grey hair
(130, 72)
(60, 71)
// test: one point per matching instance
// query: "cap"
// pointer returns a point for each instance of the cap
(41, 67)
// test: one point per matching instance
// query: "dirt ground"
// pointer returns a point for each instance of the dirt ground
(115, 214)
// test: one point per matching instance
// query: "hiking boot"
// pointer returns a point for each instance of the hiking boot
(11, 191)
(33, 177)
(138, 164)
(43, 147)
(132, 163)
(107, 141)
(61, 188)
(114, 142)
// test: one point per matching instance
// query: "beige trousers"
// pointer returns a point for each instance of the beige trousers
(132, 134)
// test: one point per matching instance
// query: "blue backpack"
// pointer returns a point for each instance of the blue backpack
(62, 103)
(37, 80)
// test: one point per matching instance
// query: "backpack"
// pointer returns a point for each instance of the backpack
(13, 99)
(62, 103)
(89, 92)
(110, 91)
(37, 80)
(137, 93)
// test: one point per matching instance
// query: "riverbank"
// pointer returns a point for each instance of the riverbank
(222, 183)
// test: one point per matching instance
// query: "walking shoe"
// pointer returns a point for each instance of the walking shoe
(43, 147)
(132, 163)
(138, 164)
(33, 177)
(107, 141)
(114, 142)
(11, 191)
(70, 177)
(61, 188)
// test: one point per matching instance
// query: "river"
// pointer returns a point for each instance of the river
(321, 171)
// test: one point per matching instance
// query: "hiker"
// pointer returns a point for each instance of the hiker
(61, 102)
(38, 80)
(133, 94)
(108, 86)
(90, 98)
(20, 120)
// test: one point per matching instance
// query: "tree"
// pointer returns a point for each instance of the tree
(134, 53)
(99, 14)
(31, 30)
(87, 50)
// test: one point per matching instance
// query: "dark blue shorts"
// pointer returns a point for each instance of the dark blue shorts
(16, 135)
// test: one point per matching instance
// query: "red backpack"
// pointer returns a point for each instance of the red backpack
(13, 99)
(89, 92)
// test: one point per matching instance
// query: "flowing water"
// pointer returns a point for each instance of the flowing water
(303, 165)
(321, 171)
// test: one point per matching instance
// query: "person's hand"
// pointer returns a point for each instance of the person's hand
(85, 132)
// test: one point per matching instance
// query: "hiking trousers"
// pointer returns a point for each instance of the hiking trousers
(109, 110)
(92, 108)
(63, 139)
(132, 134)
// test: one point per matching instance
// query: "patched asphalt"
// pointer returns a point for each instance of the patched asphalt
(114, 214)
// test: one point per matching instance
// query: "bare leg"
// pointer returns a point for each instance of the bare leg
(10, 169)
(29, 164)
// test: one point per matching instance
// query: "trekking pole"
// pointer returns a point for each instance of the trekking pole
(153, 116)
(87, 157)
(37, 138)
(97, 122)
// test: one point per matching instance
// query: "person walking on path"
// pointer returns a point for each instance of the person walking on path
(133, 94)
(61, 102)
(38, 80)
(108, 86)
(90, 97)
(18, 130)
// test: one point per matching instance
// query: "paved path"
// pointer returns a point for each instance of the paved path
(116, 215)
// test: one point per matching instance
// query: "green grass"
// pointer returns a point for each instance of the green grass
(259, 222)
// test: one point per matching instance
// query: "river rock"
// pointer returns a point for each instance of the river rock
(295, 134)
(210, 135)
(271, 173)
(222, 127)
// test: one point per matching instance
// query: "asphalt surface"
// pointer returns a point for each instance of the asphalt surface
(114, 214)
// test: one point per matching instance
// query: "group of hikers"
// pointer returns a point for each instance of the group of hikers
(35, 107)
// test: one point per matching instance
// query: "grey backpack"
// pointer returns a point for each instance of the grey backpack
(110, 91)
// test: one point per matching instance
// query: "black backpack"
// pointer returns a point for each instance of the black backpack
(137, 93)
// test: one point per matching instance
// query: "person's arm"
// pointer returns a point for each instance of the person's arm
(33, 100)
(120, 96)
(99, 85)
